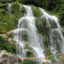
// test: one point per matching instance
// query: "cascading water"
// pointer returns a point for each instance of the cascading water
(27, 23)
(20, 44)
(9, 9)
(56, 36)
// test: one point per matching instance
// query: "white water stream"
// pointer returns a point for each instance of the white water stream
(27, 25)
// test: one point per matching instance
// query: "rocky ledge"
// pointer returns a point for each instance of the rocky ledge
(8, 58)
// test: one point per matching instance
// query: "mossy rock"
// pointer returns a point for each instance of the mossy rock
(36, 12)
(27, 47)
(30, 51)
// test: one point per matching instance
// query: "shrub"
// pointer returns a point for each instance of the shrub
(36, 12)
(4, 45)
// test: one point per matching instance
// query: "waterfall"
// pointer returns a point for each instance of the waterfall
(27, 24)
(56, 36)
(9, 9)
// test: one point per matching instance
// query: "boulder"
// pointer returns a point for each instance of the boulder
(8, 58)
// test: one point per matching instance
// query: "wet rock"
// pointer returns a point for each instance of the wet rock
(8, 58)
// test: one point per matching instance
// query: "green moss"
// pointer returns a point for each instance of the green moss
(36, 12)
(29, 54)
(5, 46)
(26, 47)
(25, 36)
(13, 41)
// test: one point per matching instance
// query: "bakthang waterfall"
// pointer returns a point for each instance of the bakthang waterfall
(27, 26)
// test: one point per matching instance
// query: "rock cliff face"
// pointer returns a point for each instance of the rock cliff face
(7, 58)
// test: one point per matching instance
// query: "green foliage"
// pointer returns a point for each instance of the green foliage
(7, 1)
(16, 11)
(3, 6)
(10, 35)
(4, 45)
(42, 28)
(3, 27)
(33, 61)
(13, 41)
(6, 23)
(25, 36)
(27, 47)
(29, 53)
(36, 12)
(46, 42)
(46, 4)
(48, 52)
(21, 1)
(3, 19)
(9, 23)
(41, 3)
(23, 9)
